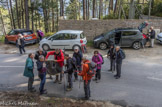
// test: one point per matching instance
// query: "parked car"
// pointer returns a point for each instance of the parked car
(29, 36)
(159, 37)
(124, 37)
(64, 39)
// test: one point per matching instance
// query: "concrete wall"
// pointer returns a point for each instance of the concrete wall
(93, 28)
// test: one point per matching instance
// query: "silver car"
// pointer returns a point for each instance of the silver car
(159, 38)
(64, 39)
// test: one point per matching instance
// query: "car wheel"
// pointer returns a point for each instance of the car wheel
(46, 47)
(6, 41)
(76, 46)
(103, 46)
(136, 45)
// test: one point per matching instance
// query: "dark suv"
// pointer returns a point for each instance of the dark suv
(124, 37)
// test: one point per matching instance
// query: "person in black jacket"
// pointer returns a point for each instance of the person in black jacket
(112, 54)
(38, 53)
(78, 56)
(70, 64)
(119, 59)
(20, 43)
(152, 36)
(41, 67)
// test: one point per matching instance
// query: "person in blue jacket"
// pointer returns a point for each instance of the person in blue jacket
(28, 72)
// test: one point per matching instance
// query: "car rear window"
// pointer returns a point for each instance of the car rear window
(82, 36)
(129, 33)
(27, 33)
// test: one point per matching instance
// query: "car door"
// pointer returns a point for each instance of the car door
(12, 36)
(128, 38)
(57, 41)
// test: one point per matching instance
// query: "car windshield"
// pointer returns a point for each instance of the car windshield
(109, 33)
(12, 32)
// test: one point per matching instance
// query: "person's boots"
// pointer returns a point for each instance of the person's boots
(56, 79)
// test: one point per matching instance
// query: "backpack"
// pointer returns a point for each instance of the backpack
(91, 71)
(102, 58)
(123, 54)
(73, 61)
(41, 33)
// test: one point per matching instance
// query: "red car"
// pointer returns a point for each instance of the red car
(29, 36)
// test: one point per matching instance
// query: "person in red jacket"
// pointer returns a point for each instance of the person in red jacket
(86, 78)
(59, 59)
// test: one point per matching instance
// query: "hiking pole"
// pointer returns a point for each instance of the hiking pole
(64, 83)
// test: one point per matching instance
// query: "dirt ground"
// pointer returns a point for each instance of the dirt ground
(130, 52)
(33, 99)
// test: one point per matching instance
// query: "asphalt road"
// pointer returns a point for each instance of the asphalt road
(140, 84)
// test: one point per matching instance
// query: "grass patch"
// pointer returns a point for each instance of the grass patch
(89, 43)
(2, 38)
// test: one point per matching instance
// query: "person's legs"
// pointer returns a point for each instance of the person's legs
(23, 48)
(20, 49)
(119, 70)
(40, 37)
(111, 61)
(30, 83)
(56, 79)
(152, 43)
(70, 81)
(113, 65)
(86, 89)
(99, 74)
(89, 91)
(96, 75)
(43, 80)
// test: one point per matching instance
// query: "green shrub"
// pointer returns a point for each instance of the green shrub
(89, 43)
(2, 38)
(49, 34)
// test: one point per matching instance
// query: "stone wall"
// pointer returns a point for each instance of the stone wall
(93, 28)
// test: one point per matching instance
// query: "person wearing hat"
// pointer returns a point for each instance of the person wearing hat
(111, 53)
(20, 43)
(78, 56)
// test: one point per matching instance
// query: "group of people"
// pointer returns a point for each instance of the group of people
(77, 65)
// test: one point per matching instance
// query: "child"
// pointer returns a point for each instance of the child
(70, 64)
(41, 67)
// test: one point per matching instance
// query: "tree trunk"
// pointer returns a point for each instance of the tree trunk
(53, 18)
(32, 13)
(111, 5)
(61, 8)
(9, 12)
(26, 14)
(4, 31)
(88, 9)
(101, 9)
(94, 9)
(116, 4)
(79, 9)
(22, 13)
(84, 9)
(17, 12)
(57, 15)
(13, 21)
